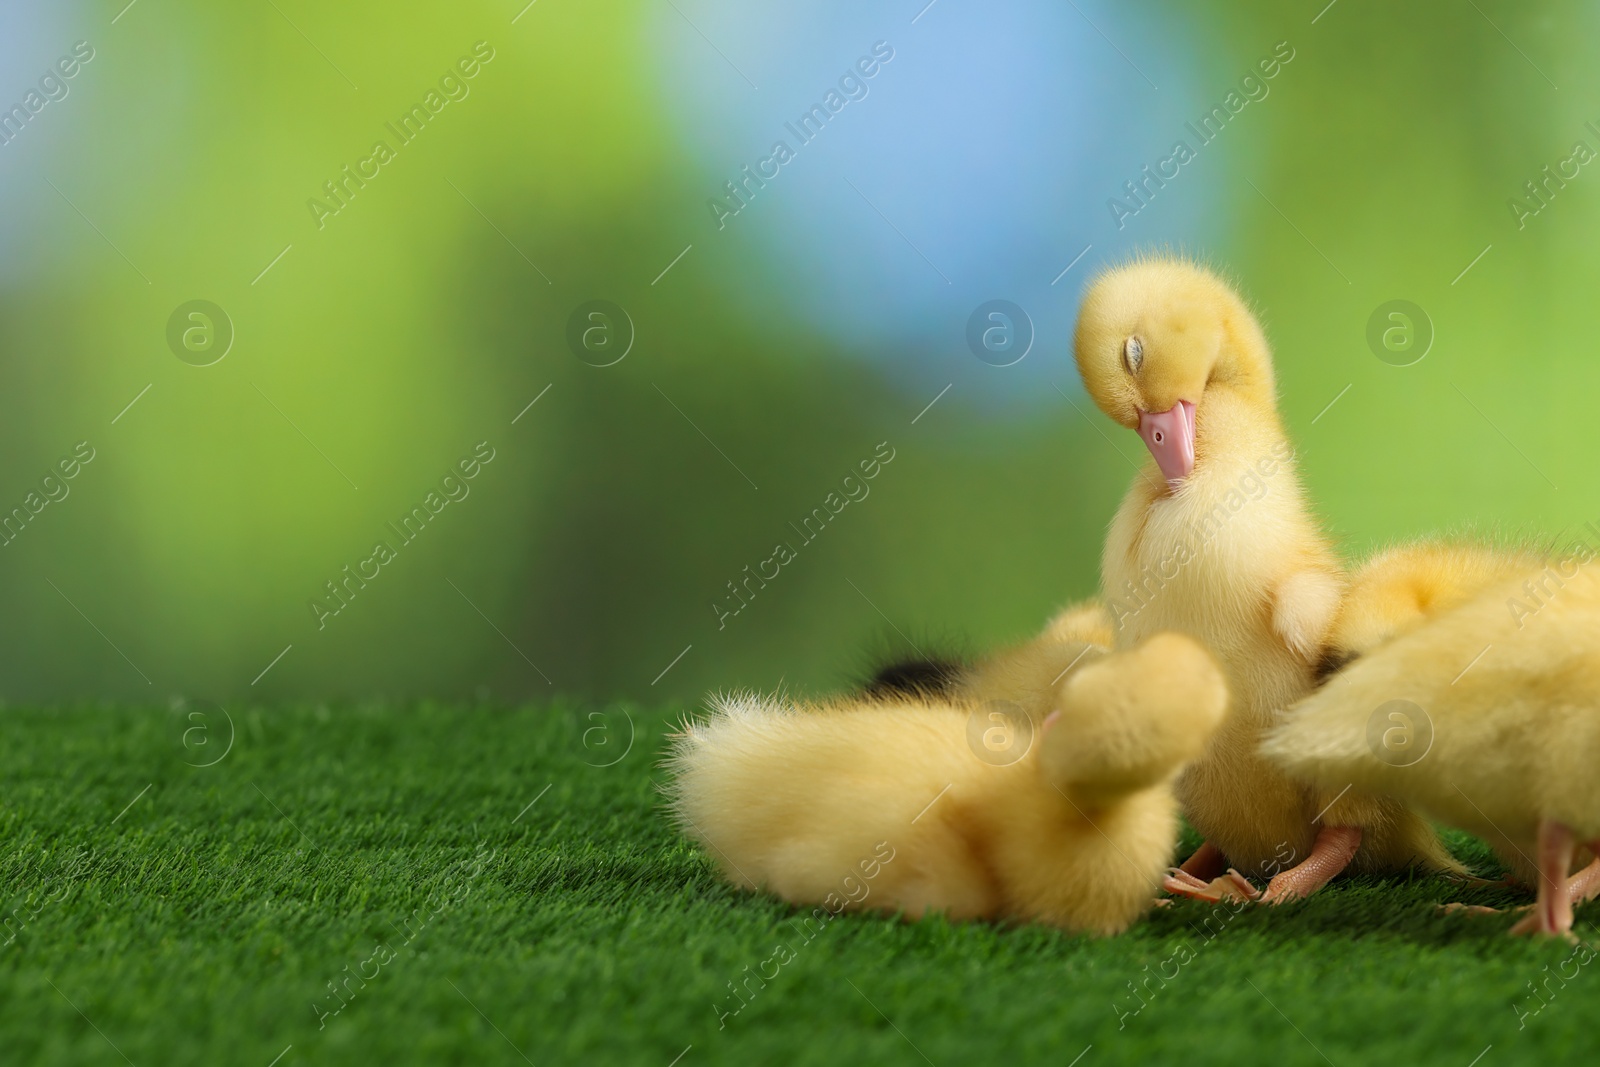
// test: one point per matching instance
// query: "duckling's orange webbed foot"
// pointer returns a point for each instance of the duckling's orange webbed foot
(1335, 847)
(1230, 886)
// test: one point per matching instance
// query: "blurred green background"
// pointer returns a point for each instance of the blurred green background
(769, 358)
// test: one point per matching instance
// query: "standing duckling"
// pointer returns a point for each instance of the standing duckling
(882, 804)
(1214, 539)
(1487, 718)
(1393, 593)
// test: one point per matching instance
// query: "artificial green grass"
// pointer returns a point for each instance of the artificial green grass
(204, 923)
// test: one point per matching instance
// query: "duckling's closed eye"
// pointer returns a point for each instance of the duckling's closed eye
(1133, 354)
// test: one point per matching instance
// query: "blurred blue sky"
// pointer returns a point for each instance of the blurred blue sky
(32, 38)
(991, 141)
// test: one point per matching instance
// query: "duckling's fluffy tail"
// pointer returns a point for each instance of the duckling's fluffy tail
(806, 800)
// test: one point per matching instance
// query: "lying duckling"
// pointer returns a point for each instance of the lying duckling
(1029, 675)
(1025, 675)
(1215, 539)
(886, 805)
(1487, 718)
(913, 678)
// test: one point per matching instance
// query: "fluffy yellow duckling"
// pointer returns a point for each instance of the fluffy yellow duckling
(887, 805)
(1400, 588)
(1024, 676)
(1487, 718)
(1214, 539)
(1027, 676)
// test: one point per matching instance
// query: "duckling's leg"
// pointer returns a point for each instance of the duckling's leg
(1581, 887)
(1585, 885)
(1335, 847)
(1552, 912)
(1207, 863)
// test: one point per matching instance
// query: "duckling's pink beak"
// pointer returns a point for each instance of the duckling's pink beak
(1169, 435)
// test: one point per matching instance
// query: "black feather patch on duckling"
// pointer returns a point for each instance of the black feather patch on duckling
(1332, 662)
(914, 678)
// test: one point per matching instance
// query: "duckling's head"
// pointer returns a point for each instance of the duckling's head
(1154, 339)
